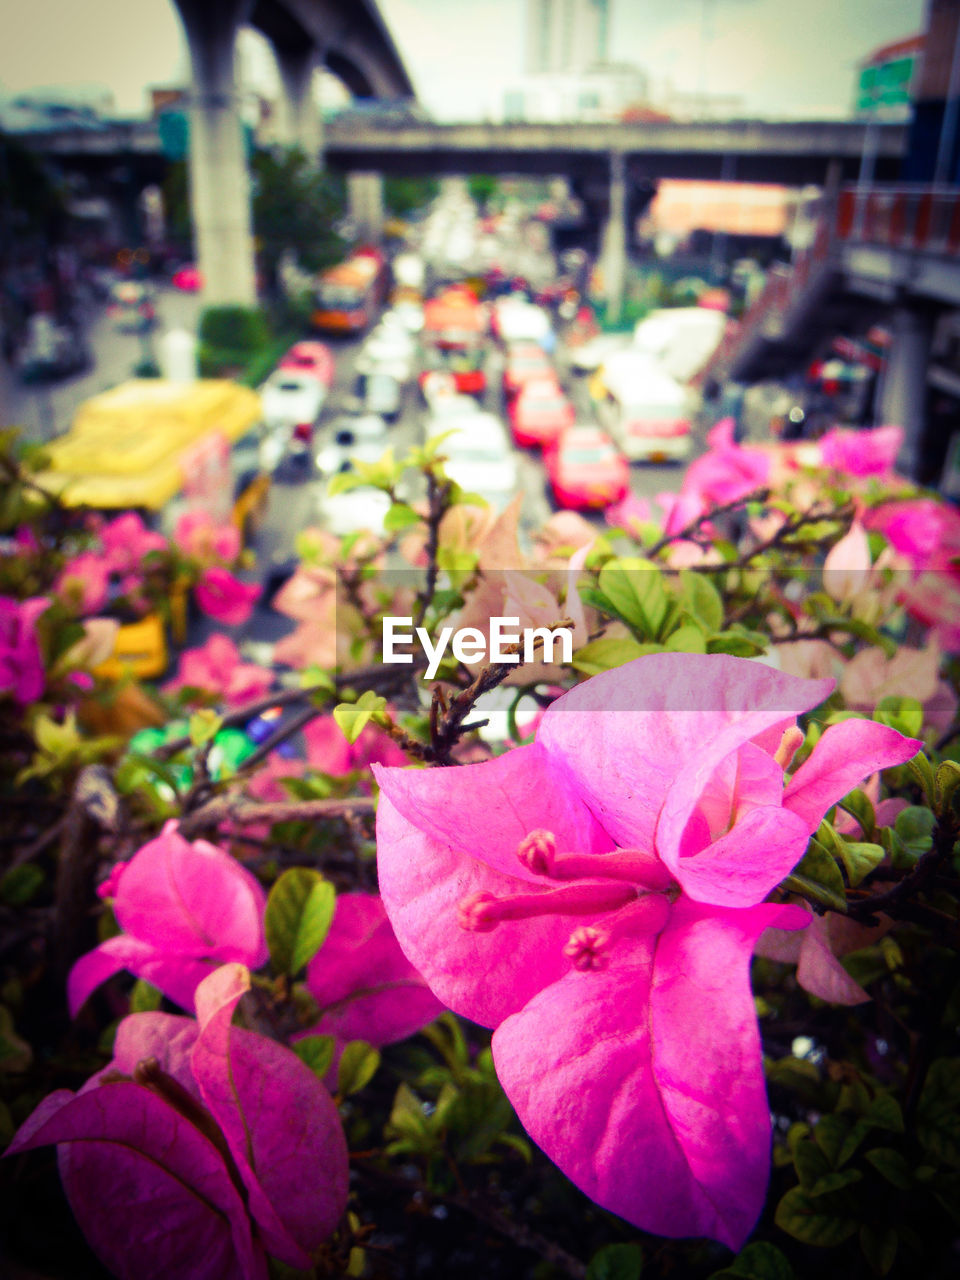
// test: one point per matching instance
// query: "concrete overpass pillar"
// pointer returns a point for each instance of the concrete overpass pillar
(301, 123)
(613, 253)
(903, 387)
(365, 205)
(219, 181)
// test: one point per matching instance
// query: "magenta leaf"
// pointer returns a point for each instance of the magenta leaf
(279, 1122)
(172, 1208)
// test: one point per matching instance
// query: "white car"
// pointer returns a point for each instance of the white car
(353, 438)
(391, 349)
(682, 338)
(592, 353)
(479, 457)
(292, 399)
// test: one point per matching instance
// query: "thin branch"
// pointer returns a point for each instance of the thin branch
(236, 808)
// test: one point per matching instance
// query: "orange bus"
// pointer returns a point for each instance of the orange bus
(349, 295)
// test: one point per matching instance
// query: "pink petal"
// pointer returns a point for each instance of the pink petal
(484, 976)
(643, 1082)
(742, 867)
(280, 1124)
(626, 735)
(192, 899)
(504, 800)
(362, 981)
(172, 1209)
(94, 968)
(821, 973)
(843, 757)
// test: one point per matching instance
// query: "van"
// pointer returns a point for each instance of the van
(646, 411)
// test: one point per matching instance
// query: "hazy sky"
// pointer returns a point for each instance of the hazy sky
(782, 57)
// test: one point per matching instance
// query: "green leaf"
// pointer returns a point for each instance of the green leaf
(891, 1166)
(634, 588)
(903, 714)
(607, 652)
(758, 1261)
(735, 643)
(835, 1181)
(317, 1052)
(884, 1113)
(204, 726)
(701, 599)
(859, 805)
(144, 998)
(859, 859)
(400, 516)
(914, 825)
(938, 1114)
(818, 877)
(686, 639)
(830, 1135)
(20, 884)
(353, 717)
(811, 1220)
(299, 914)
(922, 772)
(879, 1245)
(811, 1164)
(616, 1262)
(358, 1066)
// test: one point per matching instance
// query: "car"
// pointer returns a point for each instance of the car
(539, 412)
(381, 393)
(292, 399)
(585, 469)
(644, 408)
(131, 307)
(388, 349)
(353, 438)
(315, 359)
(591, 354)
(444, 411)
(525, 361)
(351, 435)
(515, 319)
(52, 351)
(479, 458)
(187, 279)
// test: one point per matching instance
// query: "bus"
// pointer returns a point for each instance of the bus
(349, 295)
(454, 329)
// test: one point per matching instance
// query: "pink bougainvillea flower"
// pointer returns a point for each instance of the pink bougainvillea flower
(628, 512)
(216, 667)
(330, 752)
(727, 471)
(365, 986)
(917, 528)
(596, 896)
(183, 908)
(21, 663)
(815, 950)
(197, 535)
(224, 597)
(84, 582)
(846, 568)
(200, 1149)
(126, 540)
(861, 453)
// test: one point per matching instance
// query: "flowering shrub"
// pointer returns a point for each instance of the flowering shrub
(696, 938)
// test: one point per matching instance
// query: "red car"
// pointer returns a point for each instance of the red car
(539, 412)
(585, 469)
(312, 358)
(525, 361)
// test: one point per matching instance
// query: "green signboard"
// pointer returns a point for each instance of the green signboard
(886, 85)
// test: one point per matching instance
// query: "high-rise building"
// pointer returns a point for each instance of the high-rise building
(565, 36)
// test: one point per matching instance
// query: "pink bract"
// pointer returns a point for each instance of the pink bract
(861, 453)
(596, 896)
(199, 1149)
(84, 582)
(126, 540)
(197, 535)
(184, 908)
(224, 597)
(365, 986)
(216, 667)
(21, 663)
